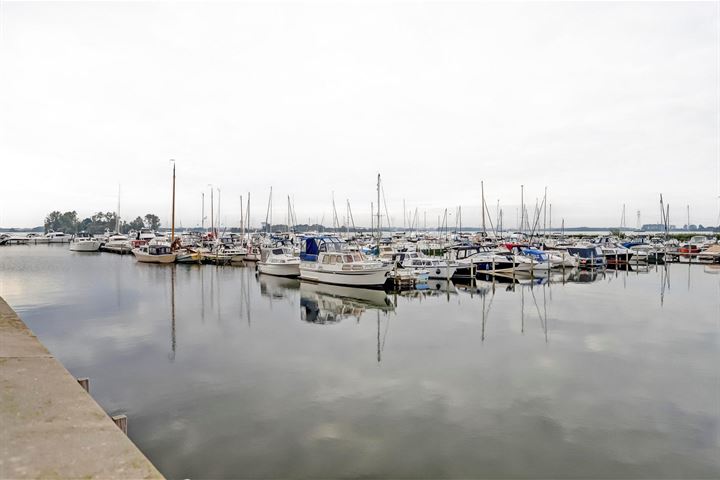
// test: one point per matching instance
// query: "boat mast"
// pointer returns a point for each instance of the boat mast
(117, 220)
(242, 220)
(545, 214)
(172, 228)
(212, 215)
(289, 214)
(522, 207)
(378, 213)
(202, 213)
(247, 216)
(268, 213)
(482, 207)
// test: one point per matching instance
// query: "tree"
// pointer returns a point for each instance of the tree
(85, 224)
(61, 222)
(136, 224)
(152, 221)
(69, 222)
(52, 221)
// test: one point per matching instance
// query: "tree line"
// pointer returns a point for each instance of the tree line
(69, 222)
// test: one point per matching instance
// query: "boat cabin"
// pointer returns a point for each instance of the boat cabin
(463, 252)
(336, 258)
(158, 250)
(311, 247)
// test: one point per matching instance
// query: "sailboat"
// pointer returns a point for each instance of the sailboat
(158, 252)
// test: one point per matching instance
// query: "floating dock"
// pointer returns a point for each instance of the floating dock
(50, 426)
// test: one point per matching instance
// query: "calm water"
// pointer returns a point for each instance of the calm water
(226, 374)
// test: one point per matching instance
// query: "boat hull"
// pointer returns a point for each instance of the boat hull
(86, 246)
(145, 258)
(279, 269)
(194, 257)
(361, 278)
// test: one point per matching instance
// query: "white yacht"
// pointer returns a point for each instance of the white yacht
(345, 268)
(57, 237)
(279, 261)
(84, 242)
(436, 267)
(117, 243)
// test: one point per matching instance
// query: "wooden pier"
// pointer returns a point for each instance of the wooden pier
(50, 427)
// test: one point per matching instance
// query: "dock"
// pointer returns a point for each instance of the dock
(50, 426)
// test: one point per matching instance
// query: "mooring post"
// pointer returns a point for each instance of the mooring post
(121, 421)
(85, 383)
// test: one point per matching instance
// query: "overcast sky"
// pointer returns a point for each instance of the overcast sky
(603, 103)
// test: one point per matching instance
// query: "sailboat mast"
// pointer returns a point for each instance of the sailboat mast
(172, 230)
(247, 216)
(482, 206)
(117, 220)
(202, 213)
(378, 211)
(242, 220)
(522, 207)
(212, 215)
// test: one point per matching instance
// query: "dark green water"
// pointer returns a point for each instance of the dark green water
(226, 375)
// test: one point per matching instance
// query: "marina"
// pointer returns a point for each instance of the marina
(262, 367)
(370, 240)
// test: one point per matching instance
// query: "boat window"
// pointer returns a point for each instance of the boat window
(357, 257)
(326, 259)
(278, 251)
(348, 258)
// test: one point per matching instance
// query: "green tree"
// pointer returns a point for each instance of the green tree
(52, 221)
(136, 224)
(69, 222)
(61, 222)
(152, 221)
(85, 224)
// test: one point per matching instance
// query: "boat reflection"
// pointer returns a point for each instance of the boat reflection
(586, 275)
(328, 304)
(712, 269)
(433, 288)
(277, 287)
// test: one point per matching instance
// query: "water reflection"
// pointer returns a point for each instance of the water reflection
(277, 287)
(328, 304)
(173, 340)
(586, 373)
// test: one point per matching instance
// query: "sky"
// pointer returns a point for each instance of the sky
(605, 104)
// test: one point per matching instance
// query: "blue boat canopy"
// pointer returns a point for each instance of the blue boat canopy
(311, 247)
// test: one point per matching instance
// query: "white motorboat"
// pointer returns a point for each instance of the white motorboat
(57, 237)
(117, 243)
(154, 254)
(345, 268)
(84, 242)
(279, 261)
(436, 267)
